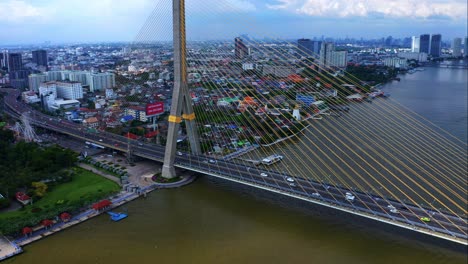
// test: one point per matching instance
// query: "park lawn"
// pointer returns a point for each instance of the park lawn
(84, 186)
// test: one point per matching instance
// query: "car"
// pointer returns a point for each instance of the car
(292, 184)
(349, 197)
(100, 140)
(140, 144)
(425, 219)
(326, 187)
(289, 179)
(263, 174)
(212, 161)
(316, 194)
(116, 144)
(179, 153)
(392, 209)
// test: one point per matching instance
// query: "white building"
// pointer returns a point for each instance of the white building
(110, 93)
(30, 97)
(76, 76)
(456, 47)
(418, 56)
(54, 76)
(338, 59)
(64, 104)
(396, 62)
(101, 81)
(35, 80)
(69, 90)
(65, 90)
(48, 89)
(415, 44)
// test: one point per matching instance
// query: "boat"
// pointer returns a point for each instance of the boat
(117, 216)
(272, 159)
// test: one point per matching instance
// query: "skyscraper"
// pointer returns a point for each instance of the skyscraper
(240, 49)
(415, 44)
(424, 42)
(4, 59)
(436, 42)
(326, 53)
(305, 47)
(40, 57)
(465, 49)
(456, 47)
(15, 62)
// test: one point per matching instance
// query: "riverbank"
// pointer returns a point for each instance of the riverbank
(11, 248)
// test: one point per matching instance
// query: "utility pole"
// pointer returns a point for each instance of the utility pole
(181, 101)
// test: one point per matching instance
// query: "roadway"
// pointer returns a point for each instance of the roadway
(409, 216)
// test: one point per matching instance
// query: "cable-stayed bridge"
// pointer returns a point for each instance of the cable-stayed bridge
(379, 161)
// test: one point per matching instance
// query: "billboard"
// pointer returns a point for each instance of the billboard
(154, 108)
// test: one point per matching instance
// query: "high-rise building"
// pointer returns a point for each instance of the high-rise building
(305, 47)
(465, 49)
(64, 90)
(18, 76)
(4, 59)
(326, 53)
(35, 81)
(40, 58)
(338, 59)
(54, 76)
(100, 81)
(415, 44)
(76, 76)
(317, 46)
(456, 47)
(424, 43)
(436, 45)
(69, 90)
(15, 62)
(240, 49)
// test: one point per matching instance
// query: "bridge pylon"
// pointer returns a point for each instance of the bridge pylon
(181, 108)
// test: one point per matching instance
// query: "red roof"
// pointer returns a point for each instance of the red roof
(47, 222)
(151, 134)
(27, 230)
(65, 216)
(21, 196)
(131, 136)
(102, 204)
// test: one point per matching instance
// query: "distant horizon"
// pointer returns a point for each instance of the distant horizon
(28, 22)
(97, 42)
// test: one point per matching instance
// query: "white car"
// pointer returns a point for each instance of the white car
(316, 194)
(263, 174)
(179, 153)
(292, 184)
(212, 161)
(349, 197)
(392, 209)
(100, 140)
(289, 179)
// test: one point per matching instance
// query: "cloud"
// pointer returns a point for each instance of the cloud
(455, 9)
(17, 11)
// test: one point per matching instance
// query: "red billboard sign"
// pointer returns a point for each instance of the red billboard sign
(154, 108)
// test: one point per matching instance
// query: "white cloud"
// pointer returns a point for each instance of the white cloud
(18, 11)
(456, 9)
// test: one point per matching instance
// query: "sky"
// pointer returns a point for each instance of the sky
(64, 21)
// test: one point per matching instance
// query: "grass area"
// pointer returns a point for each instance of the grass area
(160, 179)
(85, 188)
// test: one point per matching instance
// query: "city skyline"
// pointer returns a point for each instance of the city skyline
(32, 22)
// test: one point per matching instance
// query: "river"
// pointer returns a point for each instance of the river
(213, 222)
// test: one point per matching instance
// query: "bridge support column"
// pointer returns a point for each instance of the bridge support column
(181, 100)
